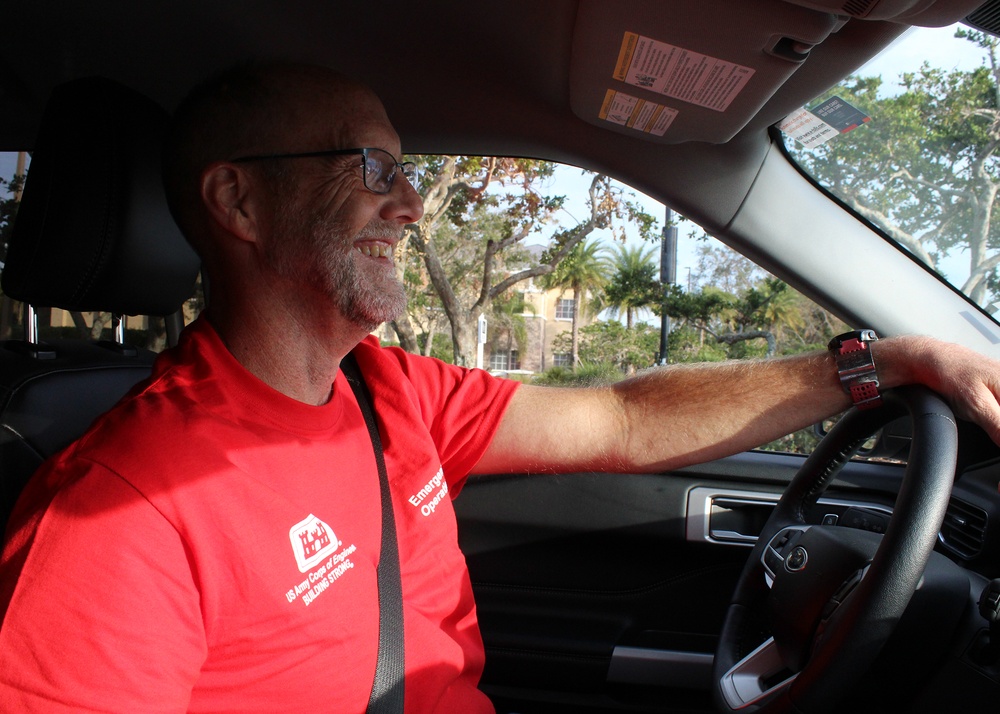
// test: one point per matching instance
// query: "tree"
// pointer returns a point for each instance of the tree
(737, 303)
(583, 271)
(8, 209)
(608, 342)
(633, 284)
(926, 168)
(507, 323)
(466, 250)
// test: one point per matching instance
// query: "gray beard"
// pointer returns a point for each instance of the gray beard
(321, 256)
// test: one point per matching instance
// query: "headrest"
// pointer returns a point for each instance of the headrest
(93, 231)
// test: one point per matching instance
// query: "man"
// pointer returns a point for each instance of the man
(240, 576)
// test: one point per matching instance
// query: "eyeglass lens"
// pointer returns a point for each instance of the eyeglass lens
(380, 170)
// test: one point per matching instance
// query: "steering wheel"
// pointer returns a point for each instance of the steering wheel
(833, 595)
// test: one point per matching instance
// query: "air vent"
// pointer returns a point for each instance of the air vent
(964, 529)
(986, 18)
(858, 8)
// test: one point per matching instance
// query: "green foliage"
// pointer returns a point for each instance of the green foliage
(582, 269)
(803, 441)
(585, 375)
(8, 209)
(758, 317)
(610, 343)
(441, 346)
(467, 250)
(507, 325)
(926, 167)
(634, 283)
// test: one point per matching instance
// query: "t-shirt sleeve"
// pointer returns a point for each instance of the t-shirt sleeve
(104, 615)
(462, 408)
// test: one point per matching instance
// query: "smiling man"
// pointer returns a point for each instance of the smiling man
(241, 574)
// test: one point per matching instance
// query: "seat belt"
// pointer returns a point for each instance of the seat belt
(387, 689)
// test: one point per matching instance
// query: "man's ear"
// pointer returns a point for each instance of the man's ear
(225, 191)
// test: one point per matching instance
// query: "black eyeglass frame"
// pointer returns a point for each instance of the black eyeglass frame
(407, 168)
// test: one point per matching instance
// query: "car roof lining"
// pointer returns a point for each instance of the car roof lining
(500, 79)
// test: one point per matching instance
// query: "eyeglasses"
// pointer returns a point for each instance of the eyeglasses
(379, 167)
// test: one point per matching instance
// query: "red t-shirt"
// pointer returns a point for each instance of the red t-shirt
(211, 544)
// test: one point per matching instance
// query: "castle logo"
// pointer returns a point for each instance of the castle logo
(312, 541)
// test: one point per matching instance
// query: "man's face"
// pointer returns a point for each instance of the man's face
(332, 234)
(355, 269)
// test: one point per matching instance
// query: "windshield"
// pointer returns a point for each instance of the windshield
(910, 142)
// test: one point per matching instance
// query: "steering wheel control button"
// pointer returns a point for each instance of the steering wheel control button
(830, 519)
(779, 549)
(865, 520)
(797, 559)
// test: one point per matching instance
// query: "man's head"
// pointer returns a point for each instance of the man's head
(310, 220)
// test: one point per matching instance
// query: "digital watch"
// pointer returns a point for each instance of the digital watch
(856, 367)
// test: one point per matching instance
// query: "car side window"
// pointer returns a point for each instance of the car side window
(53, 323)
(552, 275)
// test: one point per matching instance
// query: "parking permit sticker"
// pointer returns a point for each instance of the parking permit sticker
(816, 126)
(679, 73)
(634, 113)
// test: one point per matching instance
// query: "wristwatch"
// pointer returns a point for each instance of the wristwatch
(856, 367)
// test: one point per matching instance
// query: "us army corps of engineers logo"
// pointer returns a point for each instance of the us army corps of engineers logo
(315, 546)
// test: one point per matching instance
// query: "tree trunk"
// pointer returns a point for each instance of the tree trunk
(734, 337)
(101, 320)
(404, 332)
(80, 323)
(463, 340)
(402, 325)
(429, 344)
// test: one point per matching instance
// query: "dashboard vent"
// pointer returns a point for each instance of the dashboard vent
(964, 529)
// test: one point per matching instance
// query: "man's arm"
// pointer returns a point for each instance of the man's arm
(670, 417)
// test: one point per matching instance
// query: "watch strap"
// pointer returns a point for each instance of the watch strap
(856, 367)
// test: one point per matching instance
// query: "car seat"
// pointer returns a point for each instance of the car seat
(92, 233)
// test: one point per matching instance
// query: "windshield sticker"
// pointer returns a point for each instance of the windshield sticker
(634, 113)
(816, 126)
(679, 73)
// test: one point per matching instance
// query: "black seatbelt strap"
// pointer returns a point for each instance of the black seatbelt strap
(387, 689)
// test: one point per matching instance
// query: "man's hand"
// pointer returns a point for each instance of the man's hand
(968, 380)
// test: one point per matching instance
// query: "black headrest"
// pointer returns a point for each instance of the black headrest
(93, 231)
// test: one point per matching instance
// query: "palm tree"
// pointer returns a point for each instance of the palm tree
(509, 325)
(583, 270)
(633, 285)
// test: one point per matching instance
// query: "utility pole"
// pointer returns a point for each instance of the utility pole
(668, 276)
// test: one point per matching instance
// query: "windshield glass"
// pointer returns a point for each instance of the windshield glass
(910, 143)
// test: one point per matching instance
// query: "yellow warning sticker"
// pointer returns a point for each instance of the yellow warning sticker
(628, 111)
(679, 73)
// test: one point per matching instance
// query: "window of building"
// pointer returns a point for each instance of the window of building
(504, 360)
(564, 309)
(562, 359)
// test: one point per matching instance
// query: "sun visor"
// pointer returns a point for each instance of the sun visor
(654, 70)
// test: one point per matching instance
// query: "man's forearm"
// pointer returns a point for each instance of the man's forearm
(674, 416)
(686, 414)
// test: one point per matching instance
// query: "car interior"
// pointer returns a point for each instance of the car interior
(596, 592)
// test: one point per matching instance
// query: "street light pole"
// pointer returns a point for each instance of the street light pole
(668, 276)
